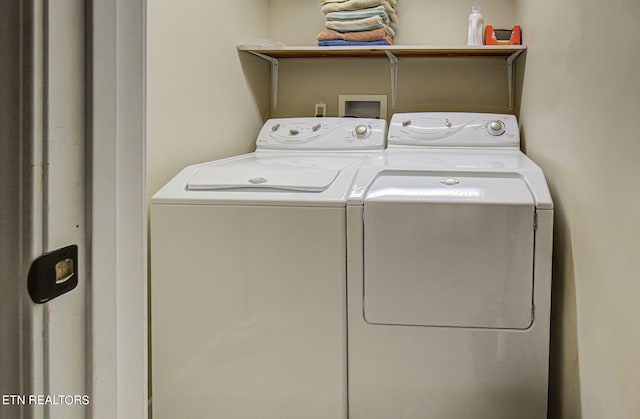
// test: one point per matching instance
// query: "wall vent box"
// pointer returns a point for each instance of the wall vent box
(363, 106)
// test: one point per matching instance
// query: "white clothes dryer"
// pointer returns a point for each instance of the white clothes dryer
(248, 275)
(449, 274)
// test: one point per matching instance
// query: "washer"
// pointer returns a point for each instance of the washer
(248, 275)
(449, 274)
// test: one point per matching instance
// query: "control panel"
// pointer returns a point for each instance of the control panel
(322, 134)
(453, 129)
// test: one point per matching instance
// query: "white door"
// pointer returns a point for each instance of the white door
(72, 166)
(45, 197)
(63, 139)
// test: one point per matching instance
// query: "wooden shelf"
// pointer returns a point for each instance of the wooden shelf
(400, 51)
(274, 54)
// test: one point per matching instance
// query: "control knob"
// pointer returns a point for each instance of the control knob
(495, 128)
(362, 131)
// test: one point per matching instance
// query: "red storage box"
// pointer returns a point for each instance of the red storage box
(502, 36)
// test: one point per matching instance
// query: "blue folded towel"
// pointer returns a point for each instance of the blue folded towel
(341, 43)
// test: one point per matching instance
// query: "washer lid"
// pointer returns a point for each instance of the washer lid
(449, 188)
(294, 174)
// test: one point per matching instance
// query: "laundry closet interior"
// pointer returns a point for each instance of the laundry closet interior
(572, 89)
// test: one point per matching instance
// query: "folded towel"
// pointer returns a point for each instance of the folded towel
(360, 4)
(392, 2)
(379, 34)
(360, 14)
(365, 24)
(341, 43)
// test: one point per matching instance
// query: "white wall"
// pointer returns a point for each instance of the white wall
(205, 101)
(579, 116)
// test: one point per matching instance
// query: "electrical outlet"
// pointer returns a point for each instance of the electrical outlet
(320, 109)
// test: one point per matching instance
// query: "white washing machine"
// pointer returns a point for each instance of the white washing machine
(449, 274)
(248, 276)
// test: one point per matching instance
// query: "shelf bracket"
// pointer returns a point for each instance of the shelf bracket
(393, 61)
(274, 76)
(510, 70)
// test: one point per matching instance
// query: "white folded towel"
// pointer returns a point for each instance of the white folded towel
(350, 5)
(392, 2)
(360, 14)
(358, 25)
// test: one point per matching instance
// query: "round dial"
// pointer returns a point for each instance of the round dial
(362, 131)
(495, 128)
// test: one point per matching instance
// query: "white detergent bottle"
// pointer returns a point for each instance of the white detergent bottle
(476, 24)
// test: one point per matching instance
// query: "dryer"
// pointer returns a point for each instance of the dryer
(449, 273)
(248, 275)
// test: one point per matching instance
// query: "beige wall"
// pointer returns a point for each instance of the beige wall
(205, 101)
(297, 22)
(434, 84)
(579, 116)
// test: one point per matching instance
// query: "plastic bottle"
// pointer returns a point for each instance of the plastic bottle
(476, 25)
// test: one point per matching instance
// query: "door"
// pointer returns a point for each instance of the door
(64, 196)
(58, 57)
(449, 251)
(44, 354)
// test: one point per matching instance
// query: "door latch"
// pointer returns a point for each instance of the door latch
(53, 274)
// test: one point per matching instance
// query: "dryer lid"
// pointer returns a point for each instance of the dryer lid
(251, 173)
